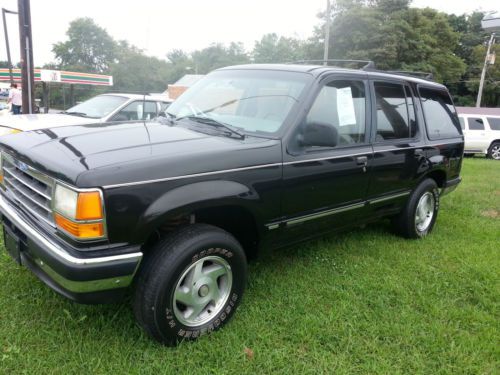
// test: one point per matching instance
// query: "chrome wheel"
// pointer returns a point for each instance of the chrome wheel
(495, 151)
(425, 211)
(202, 291)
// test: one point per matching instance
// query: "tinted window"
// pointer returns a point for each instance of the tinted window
(393, 119)
(494, 123)
(475, 123)
(462, 123)
(341, 104)
(411, 112)
(98, 106)
(440, 115)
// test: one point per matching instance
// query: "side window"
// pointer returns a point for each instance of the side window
(393, 112)
(138, 110)
(462, 123)
(341, 104)
(439, 113)
(475, 123)
(411, 113)
(494, 123)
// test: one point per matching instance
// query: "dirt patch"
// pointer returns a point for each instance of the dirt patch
(493, 214)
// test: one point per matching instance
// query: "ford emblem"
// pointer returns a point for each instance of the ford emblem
(22, 166)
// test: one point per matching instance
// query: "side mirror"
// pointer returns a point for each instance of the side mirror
(319, 134)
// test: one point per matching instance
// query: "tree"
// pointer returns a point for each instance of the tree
(217, 56)
(274, 49)
(89, 47)
(396, 37)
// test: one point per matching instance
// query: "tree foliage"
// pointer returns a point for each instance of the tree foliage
(89, 47)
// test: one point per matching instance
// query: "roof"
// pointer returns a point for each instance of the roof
(318, 70)
(189, 80)
(478, 111)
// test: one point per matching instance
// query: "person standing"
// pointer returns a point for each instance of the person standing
(15, 99)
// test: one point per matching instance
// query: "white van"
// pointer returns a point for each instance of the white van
(482, 134)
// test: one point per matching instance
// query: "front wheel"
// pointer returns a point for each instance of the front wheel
(494, 151)
(190, 284)
(418, 217)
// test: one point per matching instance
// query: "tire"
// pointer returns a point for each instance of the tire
(419, 215)
(190, 284)
(494, 151)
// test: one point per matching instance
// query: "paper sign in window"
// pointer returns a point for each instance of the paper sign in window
(345, 107)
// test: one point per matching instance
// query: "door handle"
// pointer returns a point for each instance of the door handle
(362, 160)
(419, 152)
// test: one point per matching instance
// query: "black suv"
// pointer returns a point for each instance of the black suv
(250, 157)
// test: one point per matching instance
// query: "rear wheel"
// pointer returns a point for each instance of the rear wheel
(190, 284)
(494, 151)
(418, 217)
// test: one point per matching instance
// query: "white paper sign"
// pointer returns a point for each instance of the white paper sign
(345, 106)
(50, 75)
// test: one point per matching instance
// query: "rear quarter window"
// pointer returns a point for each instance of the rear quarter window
(494, 123)
(440, 115)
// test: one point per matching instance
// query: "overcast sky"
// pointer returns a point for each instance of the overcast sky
(158, 26)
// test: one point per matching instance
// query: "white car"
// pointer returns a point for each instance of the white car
(482, 134)
(99, 109)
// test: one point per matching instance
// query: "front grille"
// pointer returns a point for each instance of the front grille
(31, 189)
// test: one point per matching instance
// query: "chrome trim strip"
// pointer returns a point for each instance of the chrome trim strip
(334, 211)
(389, 197)
(325, 158)
(7, 210)
(191, 175)
(324, 213)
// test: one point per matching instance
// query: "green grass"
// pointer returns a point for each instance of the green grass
(359, 302)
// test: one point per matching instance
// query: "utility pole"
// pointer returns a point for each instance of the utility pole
(327, 31)
(483, 74)
(28, 81)
(7, 46)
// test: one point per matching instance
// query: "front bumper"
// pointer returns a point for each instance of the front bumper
(450, 185)
(82, 279)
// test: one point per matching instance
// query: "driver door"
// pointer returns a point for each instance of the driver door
(326, 187)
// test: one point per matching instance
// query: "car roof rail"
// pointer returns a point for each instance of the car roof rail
(424, 75)
(365, 64)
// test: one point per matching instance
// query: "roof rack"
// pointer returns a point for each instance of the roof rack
(424, 75)
(367, 64)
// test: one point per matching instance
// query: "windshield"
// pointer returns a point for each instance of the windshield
(98, 106)
(252, 100)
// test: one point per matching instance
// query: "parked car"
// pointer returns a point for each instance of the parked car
(482, 135)
(250, 157)
(99, 109)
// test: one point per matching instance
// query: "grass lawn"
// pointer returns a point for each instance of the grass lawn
(359, 302)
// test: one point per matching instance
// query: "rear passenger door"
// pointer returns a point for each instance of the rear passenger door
(476, 134)
(396, 142)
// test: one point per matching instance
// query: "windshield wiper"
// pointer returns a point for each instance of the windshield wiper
(81, 114)
(213, 122)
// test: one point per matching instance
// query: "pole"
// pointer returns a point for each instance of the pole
(27, 75)
(327, 31)
(7, 46)
(45, 97)
(483, 74)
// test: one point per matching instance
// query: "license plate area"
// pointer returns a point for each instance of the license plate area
(11, 241)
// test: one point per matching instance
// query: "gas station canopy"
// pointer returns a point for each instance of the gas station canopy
(60, 76)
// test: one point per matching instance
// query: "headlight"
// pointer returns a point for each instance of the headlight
(79, 213)
(5, 131)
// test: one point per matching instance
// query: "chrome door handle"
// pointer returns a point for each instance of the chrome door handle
(362, 160)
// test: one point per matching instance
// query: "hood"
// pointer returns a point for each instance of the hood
(109, 154)
(43, 121)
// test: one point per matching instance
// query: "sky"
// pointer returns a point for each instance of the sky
(158, 26)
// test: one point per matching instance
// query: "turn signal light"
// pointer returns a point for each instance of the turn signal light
(89, 206)
(79, 230)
